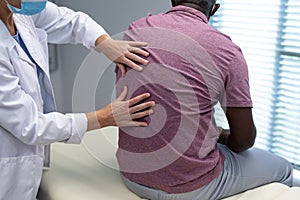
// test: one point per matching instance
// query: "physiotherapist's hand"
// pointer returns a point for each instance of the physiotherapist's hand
(123, 52)
(121, 112)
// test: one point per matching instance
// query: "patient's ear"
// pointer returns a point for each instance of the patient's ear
(173, 2)
(215, 9)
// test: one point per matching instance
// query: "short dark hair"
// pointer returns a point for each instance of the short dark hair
(205, 4)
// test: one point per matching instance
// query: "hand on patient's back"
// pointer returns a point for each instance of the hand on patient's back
(123, 112)
(124, 53)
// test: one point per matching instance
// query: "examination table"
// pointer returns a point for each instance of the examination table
(89, 172)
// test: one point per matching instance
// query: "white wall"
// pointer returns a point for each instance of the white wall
(114, 16)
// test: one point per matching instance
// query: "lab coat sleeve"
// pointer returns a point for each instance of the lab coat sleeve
(64, 25)
(20, 116)
(79, 128)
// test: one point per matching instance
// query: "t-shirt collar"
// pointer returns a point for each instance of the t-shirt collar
(190, 10)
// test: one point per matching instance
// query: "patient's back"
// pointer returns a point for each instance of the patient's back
(189, 71)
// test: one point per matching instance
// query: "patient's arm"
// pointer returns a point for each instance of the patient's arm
(224, 133)
(242, 133)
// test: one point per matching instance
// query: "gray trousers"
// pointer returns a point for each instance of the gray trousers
(241, 171)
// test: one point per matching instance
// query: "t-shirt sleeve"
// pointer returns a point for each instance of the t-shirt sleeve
(237, 89)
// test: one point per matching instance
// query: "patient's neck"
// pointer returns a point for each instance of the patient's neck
(197, 7)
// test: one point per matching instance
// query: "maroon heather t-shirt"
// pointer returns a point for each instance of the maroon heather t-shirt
(192, 67)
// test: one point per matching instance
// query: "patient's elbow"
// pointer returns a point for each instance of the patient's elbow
(243, 144)
(246, 145)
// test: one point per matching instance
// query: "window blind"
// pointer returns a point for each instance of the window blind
(269, 34)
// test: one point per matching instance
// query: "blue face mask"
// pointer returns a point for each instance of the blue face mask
(29, 7)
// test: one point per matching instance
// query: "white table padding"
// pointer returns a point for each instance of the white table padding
(89, 171)
(77, 174)
(272, 191)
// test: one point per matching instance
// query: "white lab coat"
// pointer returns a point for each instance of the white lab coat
(24, 128)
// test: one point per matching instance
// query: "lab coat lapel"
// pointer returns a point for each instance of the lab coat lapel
(36, 42)
(10, 42)
(23, 56)
(31, 40)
